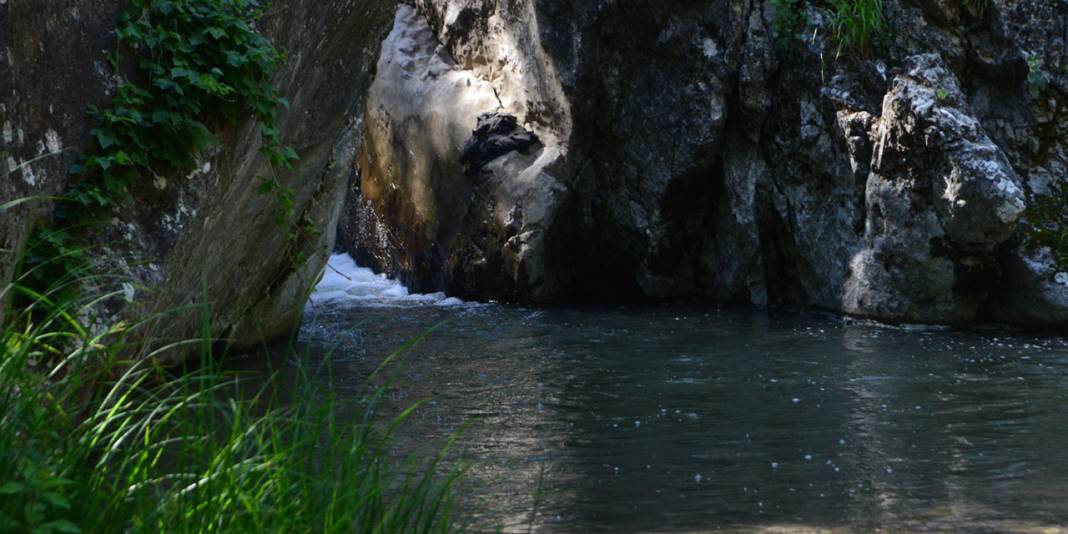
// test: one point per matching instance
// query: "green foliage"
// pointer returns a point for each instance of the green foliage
(94, 438)
(857, 23)
(1048, 215)
(941, 94)
(51, 255)
(198, 61)
(790, 19)
(198, 65)
(1037, 78)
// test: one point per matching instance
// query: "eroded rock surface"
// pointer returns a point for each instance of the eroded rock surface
(639, 149)
(210, 233)
(694, 156)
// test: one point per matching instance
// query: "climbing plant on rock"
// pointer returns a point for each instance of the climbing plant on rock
(193, 66)
(196, 61)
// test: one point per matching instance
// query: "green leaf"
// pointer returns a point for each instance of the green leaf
(11, 488)
(106, 139)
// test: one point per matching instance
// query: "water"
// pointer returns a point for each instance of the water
(673, 418)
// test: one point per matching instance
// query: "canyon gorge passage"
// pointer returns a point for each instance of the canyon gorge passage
(601, 164)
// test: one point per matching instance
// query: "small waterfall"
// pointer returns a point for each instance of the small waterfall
(346, 284)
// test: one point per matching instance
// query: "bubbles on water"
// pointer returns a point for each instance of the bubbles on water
(697, 478)
(774, 465)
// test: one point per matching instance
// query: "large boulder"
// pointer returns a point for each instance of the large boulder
(209, 235)
(940, 197)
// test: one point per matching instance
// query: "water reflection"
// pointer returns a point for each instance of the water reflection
(690, 419)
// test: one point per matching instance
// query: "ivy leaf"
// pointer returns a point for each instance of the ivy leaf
(103, 137)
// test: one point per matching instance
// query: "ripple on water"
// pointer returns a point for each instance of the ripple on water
(682, 418)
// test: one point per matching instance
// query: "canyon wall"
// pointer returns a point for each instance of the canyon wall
(699, 149)
(537, 150)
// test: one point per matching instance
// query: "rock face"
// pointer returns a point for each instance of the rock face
(452, 193)
(184, 237)
(531, 150)
(688, 149)
(940, 197)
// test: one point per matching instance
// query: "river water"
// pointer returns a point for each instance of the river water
(695, 418)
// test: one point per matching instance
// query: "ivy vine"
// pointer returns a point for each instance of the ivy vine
(197, 66)
(198, 60)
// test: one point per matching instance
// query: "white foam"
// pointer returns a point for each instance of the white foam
(346, 284)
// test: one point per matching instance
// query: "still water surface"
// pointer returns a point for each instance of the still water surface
(675, 418)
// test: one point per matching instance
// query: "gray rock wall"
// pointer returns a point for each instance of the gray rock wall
(679, 152)
(209, 233)
(692, 156)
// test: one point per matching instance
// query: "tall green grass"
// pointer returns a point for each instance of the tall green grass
(857, 23)
(94, 437)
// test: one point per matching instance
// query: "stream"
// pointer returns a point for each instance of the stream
(687, 418)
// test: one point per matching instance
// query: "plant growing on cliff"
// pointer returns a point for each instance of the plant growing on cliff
(857, 23)
(979, 6)
(1048, 215)
(198, 64)
(1037, 79)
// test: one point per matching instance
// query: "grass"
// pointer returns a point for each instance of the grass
(96, 438)
(857, 23)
